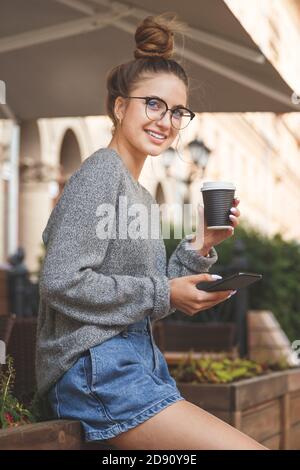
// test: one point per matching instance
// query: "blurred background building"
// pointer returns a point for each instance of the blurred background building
(258, 151)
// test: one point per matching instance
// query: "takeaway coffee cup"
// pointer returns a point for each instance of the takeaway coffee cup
(217, 199)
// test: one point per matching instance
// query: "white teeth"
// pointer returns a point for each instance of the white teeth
(157, 136)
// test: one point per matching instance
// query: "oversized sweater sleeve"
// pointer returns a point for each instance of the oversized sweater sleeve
(186, 262)
(69, 281)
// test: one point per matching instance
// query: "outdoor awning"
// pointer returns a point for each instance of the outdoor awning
(55, 54)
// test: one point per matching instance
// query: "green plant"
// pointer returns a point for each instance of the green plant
(279, 263)
(12, 412)
(221, 370)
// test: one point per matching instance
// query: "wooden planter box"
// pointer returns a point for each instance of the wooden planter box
(48, 435)
(266, 408)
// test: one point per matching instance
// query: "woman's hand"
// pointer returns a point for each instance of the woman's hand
(207, 238)
(185, 296)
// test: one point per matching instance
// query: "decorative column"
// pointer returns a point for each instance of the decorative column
(38, 188)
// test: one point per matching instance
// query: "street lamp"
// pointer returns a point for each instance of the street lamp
(167, 159)
(199, 153)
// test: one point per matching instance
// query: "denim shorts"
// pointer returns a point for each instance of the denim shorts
(116, 385)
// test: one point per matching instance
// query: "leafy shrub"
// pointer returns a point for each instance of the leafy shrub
(221, 370)
(12, 412)
(279, 263)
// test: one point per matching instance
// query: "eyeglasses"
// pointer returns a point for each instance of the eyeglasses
(156, 108)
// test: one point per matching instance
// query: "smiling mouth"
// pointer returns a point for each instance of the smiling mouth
(156, 135)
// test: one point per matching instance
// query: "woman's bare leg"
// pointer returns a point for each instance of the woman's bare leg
(184, 425)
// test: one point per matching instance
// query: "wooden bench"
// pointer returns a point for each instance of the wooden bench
(48, 435)
(6, 327)
(4, 293)
(182, 336)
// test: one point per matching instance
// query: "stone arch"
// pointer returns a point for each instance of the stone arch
(69, 159)
(70, 154)
(159, 194)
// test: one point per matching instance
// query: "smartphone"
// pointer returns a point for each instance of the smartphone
(233, 282)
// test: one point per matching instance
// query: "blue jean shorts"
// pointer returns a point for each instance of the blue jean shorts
(116, 385)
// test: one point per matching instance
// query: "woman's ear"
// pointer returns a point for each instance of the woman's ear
(119, 109)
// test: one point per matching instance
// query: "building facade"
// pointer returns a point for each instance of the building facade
(259, 152)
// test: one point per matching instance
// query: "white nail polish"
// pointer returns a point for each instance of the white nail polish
(216, 276)
(232, 293)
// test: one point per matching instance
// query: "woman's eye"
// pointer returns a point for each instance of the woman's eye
(153, 104)
(178, 113)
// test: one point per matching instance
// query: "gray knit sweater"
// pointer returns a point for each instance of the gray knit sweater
(91, 288)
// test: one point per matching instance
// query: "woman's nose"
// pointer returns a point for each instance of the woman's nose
(165, 121)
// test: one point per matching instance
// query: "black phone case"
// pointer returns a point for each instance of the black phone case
(234, 282)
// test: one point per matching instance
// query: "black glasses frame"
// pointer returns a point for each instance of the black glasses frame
(174, 108)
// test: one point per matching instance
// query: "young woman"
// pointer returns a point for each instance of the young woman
(101, 285)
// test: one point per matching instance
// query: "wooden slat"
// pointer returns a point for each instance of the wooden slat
(263, 421)
(237, 395)
(48, 435)
(295, 437)
(175, 357)
(285, 421)
(54, 435)
(184, 336)
(4, 299)
(248, 393)
(295, 408)
(272, 443)
(208, 397)
(293, 379)
(6, 327)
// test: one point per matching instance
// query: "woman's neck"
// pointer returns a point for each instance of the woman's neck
(133, 161)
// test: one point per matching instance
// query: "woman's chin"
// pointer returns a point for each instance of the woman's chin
(155, 150)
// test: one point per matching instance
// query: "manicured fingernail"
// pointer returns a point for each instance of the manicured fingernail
(231, 215)
(216, 276)
(233, 209)
(232, 293)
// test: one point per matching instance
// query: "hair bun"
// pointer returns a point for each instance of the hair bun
(154, 37)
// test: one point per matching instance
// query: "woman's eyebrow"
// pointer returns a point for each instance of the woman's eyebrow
(175, 105)
(179, 106)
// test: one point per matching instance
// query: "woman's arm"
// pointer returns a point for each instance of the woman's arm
(185, 261)
(192, 255)
(69, 281)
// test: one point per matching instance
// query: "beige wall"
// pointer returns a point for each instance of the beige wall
(275, 26)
